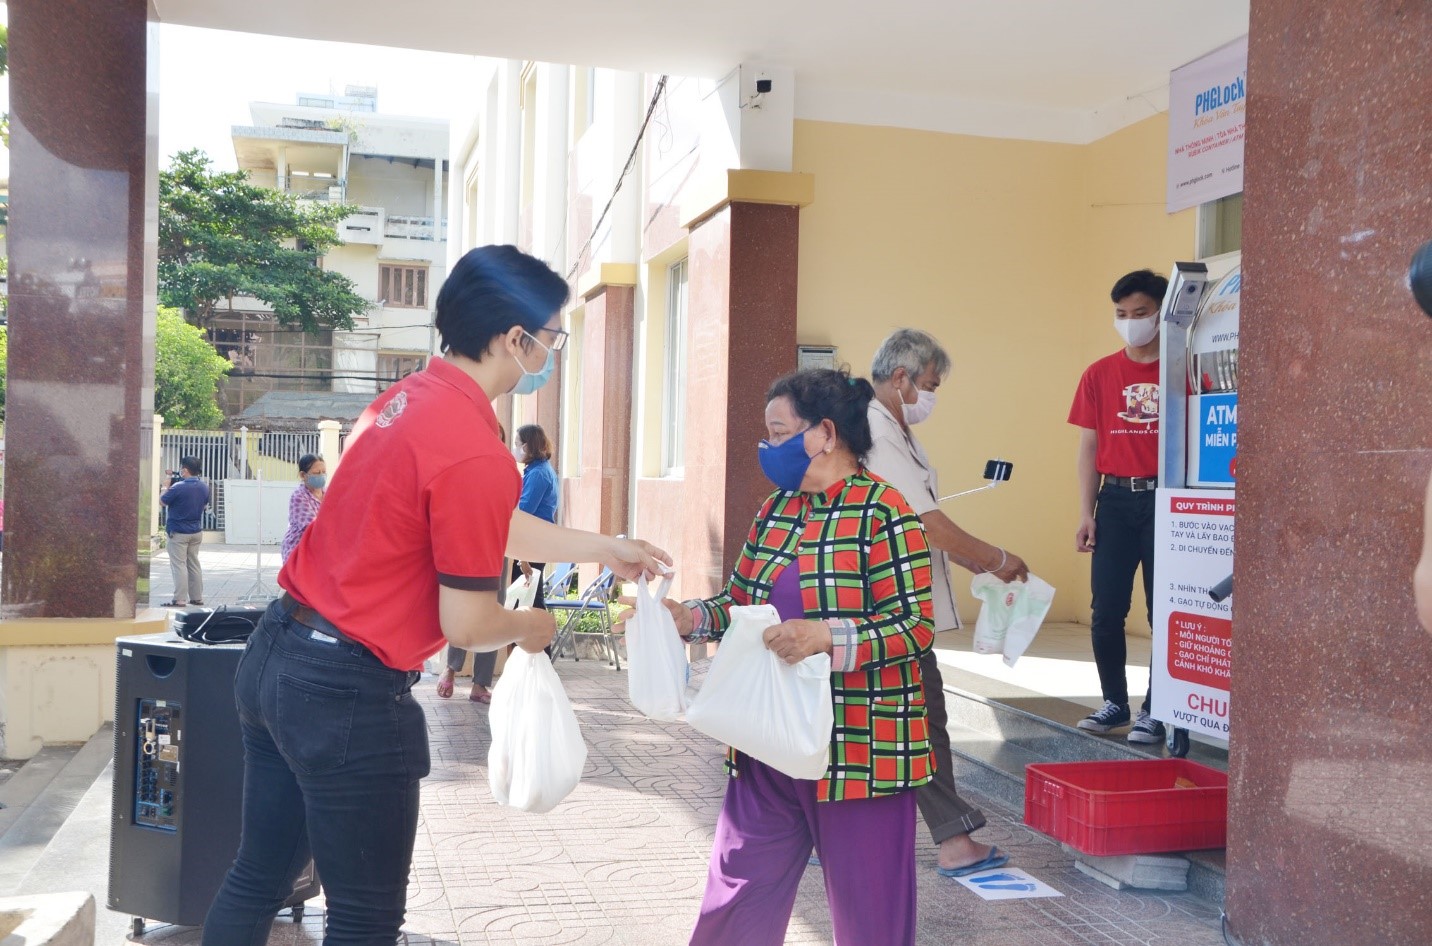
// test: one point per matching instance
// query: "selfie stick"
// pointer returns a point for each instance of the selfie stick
(996, 471)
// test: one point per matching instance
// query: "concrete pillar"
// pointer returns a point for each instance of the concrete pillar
(328, 444)
(80, 402)
(438, 200)
(156, 473)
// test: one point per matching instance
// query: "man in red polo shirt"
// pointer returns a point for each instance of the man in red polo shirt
(406, 553)
(1117, 407)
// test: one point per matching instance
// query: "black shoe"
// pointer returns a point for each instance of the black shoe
(1146, 729)
(1112, 716)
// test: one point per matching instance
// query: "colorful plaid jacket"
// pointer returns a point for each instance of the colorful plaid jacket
(865, 569)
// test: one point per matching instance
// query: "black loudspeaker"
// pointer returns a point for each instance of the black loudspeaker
(178, 780)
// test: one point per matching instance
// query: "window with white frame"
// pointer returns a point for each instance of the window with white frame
(673, 428)
(1220, 226)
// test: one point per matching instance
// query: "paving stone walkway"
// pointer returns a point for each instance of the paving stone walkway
(623, 860)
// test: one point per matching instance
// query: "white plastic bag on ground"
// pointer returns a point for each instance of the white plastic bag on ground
(656, 656)
(1010, 615)
(537, 750)
(523, 592)
(754, 701)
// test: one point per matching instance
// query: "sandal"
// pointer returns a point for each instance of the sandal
(484, 697)
(444, 687)
(995, 858)
(175, 604)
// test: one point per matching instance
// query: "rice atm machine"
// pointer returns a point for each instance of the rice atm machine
(1193, 532)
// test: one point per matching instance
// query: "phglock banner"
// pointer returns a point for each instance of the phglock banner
(1193, 635)
(1205, 127)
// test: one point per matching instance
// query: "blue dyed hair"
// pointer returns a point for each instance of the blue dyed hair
(491, 289)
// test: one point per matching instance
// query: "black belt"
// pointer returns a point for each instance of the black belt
(1137, 484)
(314, 621)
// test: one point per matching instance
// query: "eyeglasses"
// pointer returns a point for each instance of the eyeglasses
(559, 338)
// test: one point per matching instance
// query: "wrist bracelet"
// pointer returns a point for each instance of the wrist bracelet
(1003, 561)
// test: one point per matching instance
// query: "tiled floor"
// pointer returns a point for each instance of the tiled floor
(623, 860)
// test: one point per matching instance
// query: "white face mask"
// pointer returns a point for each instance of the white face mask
(1138, 332)
(921, 410)
(517, 454)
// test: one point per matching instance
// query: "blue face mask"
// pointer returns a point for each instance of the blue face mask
(785, 464)
(316, 481)
(532, 380)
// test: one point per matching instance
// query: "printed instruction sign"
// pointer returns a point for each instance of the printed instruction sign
(1007, 883)
(1206, 125)
(1193, 635)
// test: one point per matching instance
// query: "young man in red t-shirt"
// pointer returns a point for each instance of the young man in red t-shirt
(406, 552)
(1117, 407)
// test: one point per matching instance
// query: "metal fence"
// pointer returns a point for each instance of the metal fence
(234, 455)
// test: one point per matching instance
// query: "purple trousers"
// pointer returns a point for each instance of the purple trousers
(768, 825)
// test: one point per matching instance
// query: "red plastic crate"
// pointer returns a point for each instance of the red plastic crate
(1131, 807)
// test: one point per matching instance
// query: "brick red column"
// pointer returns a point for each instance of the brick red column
(743, 264)
(596, 492)
(82, 240)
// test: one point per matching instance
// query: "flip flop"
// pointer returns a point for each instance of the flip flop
(996, 858)
(444, 689)
(480, 697)
(175, 604)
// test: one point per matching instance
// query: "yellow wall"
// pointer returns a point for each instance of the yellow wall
(1005, 251)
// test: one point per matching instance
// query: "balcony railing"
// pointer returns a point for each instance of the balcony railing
(327, 193)
(403, 227)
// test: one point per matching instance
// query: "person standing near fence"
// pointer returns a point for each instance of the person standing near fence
(184, 524)
(303, 504)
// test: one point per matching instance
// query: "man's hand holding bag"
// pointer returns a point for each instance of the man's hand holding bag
(656, 656)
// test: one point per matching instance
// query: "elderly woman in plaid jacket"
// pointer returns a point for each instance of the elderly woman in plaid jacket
(844, 561)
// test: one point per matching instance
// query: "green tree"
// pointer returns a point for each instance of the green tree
(186, 373)
(221, 236)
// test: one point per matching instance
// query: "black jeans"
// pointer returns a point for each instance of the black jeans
(334, 746)
(1123, 542)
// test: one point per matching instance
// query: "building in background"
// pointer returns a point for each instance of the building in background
(715, 238)
(340, 148)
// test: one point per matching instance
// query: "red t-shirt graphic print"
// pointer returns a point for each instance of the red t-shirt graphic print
(1118, 399)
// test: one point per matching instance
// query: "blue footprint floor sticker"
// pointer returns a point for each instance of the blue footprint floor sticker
(1008, 884)
(1002, 882)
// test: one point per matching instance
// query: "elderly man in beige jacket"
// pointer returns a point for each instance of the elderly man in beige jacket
(907, 370)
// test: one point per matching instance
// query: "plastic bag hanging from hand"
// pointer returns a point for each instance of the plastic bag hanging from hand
(754, 701)
(537, 750)
(522, 593)
(656, 656)
(1010, 615)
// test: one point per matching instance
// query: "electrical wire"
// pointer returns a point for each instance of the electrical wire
(621, 178)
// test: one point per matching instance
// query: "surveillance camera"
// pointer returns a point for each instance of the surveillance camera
(763, 86)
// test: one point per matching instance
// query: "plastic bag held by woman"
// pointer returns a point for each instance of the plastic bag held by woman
(778, 713)
(537, 750)
(656, 658)
(1010, 615)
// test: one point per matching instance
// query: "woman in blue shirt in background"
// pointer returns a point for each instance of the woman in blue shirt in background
(539, 498)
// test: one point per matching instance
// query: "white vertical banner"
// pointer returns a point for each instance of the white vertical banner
(1193, 634)
(1206, 125)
